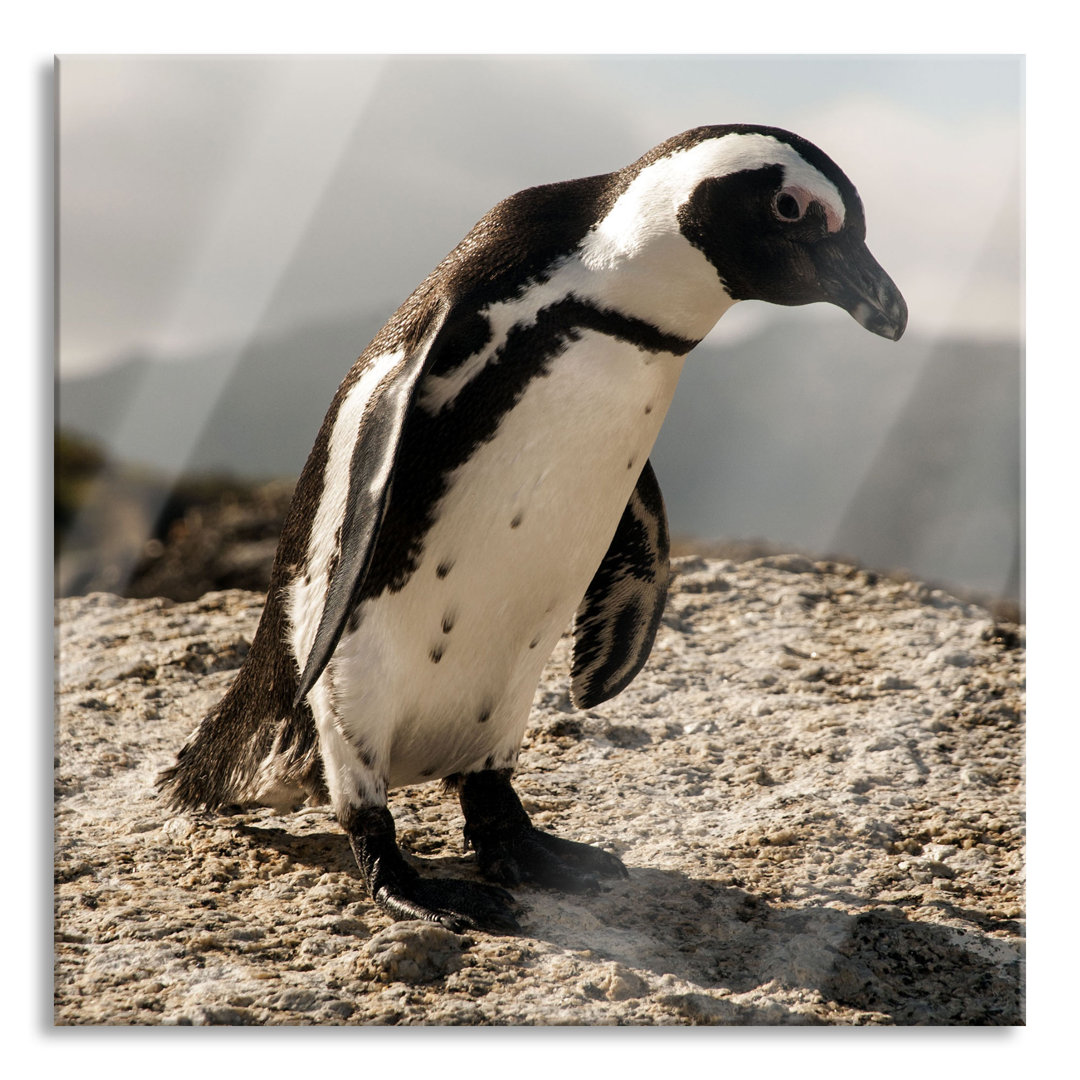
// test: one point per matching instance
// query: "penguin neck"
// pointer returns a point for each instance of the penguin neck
(637, 254)
(665, 281)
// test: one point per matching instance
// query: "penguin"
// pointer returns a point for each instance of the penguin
(481, 480)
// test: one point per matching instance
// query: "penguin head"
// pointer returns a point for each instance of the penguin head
(782, 223)
(774, 216)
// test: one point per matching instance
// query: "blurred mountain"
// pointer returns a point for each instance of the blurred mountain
(251, 412)
(895, 455)
(809, 435)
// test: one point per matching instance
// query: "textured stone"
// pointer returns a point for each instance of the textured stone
(842, 849)
(415, 952)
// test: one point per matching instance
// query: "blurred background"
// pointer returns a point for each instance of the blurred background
(233, 231)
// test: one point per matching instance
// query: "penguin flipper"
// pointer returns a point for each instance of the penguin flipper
(371, 470)
(617, 620)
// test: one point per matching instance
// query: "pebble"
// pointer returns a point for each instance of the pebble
(891, 682)
(415, 952)
(621, 984)
(955, 657)
(941, 852)
(933, 867)
(299, 999)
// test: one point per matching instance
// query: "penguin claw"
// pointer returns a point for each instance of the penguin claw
(452, 902)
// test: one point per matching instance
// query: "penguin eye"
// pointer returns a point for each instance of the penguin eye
(787, 205)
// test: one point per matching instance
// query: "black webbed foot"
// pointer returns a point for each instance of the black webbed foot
(401, 892)
(510, 849)
(457, 904)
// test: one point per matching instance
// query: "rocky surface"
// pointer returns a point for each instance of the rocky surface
(816, 783)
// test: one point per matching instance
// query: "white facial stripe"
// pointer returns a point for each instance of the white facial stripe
(650, 204)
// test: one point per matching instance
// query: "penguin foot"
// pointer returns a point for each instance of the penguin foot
(542, 859)
(451, 902)
(402, 893)
(510, 849)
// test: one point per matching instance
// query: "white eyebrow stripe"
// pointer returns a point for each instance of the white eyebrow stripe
(651, 202)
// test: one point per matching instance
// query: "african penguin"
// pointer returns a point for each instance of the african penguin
(482, 478)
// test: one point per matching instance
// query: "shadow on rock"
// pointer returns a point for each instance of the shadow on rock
(725, 938)
(722, 937)
(326, 852)
(924, 973)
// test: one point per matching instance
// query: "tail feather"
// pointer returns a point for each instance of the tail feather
(254, 746)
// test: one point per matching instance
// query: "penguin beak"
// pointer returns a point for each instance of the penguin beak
(852, 278)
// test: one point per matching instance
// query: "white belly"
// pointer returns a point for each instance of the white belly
(439, 677)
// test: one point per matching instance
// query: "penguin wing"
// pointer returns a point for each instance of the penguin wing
(617, 620)
(371, 471)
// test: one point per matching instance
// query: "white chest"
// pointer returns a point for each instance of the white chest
(440, 675)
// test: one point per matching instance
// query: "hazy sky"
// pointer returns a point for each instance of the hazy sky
(205, 200)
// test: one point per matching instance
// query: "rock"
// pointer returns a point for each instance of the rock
(816, 783)
(621, 983)
(701, 1008)
(891, 682)
(300, 999)
(793, 564)
(415, 952)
